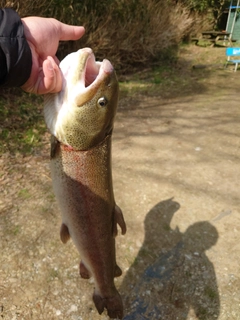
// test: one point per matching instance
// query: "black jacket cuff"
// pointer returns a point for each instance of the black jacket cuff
(15, 53)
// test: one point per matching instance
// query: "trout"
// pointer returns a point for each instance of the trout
(80, 119)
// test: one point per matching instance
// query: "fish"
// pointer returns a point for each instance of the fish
(81, 119)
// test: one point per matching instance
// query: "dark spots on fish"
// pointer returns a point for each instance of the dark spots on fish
(64, 233)
(55, 147)
(102, 102)
(84, 273)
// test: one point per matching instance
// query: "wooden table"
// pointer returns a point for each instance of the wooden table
(214, 36)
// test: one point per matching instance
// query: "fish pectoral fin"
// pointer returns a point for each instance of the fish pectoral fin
(118, 220)
(64, 233)
(84, 273)
(55, 144)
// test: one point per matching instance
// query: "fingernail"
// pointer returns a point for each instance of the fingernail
(50, 65)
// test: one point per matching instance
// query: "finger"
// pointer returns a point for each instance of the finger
(56, 60)
(52, 77)
(58, 76)
(68, 32)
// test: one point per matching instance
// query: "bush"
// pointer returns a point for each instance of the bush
(128, 32)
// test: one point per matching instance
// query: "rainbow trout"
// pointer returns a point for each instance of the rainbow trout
(81, 119)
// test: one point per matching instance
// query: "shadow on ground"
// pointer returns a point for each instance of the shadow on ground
(172, 274)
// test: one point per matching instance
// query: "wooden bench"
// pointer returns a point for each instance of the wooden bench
(215, 36)
(232, 55)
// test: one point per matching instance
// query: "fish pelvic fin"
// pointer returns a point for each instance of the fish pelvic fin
(64, 233)
(118, 220)
(118, 271)
(113, 305)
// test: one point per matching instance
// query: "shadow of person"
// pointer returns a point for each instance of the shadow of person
(172, 276)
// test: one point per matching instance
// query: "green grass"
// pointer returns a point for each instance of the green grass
(164, 80)
(53, 273)
(21, 121)
(24, 194)
(16, 230)
(151, 78)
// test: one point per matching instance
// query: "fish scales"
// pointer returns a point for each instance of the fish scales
(82, 175)
(85, 195)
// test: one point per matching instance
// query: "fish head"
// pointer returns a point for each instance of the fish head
(82, 114)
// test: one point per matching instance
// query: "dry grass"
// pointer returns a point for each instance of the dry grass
(129, 33)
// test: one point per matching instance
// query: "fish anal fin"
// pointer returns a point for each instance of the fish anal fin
(113, 305)
(84, 273)
(64, 233)
(118, 220)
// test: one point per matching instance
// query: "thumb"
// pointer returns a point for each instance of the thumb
(52, 77)
(68, 32)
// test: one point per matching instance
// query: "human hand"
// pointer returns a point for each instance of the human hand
(43, 36)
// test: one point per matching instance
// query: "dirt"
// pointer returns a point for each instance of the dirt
(176, 177)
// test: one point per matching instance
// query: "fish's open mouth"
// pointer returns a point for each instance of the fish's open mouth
(83, 73)
(93, 70)
(82, 113)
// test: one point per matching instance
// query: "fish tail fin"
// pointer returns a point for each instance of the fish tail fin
(113, 305)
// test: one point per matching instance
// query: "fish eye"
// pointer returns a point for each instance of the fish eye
(102, 102)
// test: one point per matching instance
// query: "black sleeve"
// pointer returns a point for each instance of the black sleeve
(15, 53)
